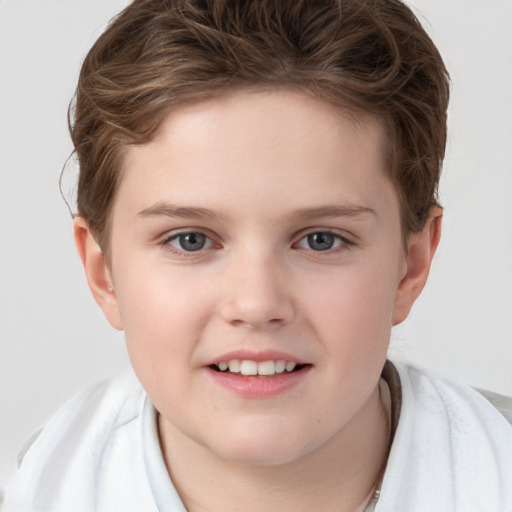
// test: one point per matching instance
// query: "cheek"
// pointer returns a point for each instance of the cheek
(353, 308)
(163, 315)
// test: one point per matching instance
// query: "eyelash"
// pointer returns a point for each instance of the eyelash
(343, 243)
(166, 244)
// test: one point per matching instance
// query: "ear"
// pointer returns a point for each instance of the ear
(421, 248)
(97, 272)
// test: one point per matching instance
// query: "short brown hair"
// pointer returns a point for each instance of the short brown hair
(371, 55)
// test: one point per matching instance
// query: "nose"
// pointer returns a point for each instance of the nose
(256, 292)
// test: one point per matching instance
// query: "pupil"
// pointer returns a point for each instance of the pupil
(321, 241)
(192, 241)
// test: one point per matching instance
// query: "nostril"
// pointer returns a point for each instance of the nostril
(257, 306)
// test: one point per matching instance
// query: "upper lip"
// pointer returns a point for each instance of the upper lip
(258, 356)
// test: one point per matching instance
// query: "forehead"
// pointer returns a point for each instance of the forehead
(247, 144)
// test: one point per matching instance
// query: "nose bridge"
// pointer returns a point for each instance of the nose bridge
(255, 288)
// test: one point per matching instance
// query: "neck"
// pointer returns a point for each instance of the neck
(340, 475)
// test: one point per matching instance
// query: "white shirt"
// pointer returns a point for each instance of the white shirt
(452, 451)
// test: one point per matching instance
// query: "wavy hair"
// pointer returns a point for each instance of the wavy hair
(369, 55)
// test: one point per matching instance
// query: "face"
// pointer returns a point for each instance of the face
(257, 260)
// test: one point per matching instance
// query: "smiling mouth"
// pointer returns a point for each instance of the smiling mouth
(247, 367)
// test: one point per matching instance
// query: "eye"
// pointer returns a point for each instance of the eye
(321, 241)
(189, 242)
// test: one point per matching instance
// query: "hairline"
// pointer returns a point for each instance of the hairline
(346, 109)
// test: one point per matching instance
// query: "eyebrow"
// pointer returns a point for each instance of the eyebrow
(345, 210)
(193, 213)
(178, 212)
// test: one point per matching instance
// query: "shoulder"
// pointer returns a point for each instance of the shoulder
(93, 438)
(452, 449)
(93, 412)
(437, 391)
(502, 403)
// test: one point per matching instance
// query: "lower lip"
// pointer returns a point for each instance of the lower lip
(253, 386)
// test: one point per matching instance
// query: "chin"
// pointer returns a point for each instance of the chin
(256, 457)
(261, 447)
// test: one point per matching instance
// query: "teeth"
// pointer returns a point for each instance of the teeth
(266, 368)
(280, 366)
(249, 367)
(290, 367)
(234, 366)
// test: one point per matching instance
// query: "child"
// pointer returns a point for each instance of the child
(256, 209)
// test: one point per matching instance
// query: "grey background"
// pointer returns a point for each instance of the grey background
(54, 339)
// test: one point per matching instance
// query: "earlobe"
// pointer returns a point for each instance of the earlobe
(421, 249)
(97, 272)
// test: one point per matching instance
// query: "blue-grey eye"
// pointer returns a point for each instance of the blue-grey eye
(321, 241)
(190, 242)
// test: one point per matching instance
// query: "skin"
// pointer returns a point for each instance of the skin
(257, 173)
